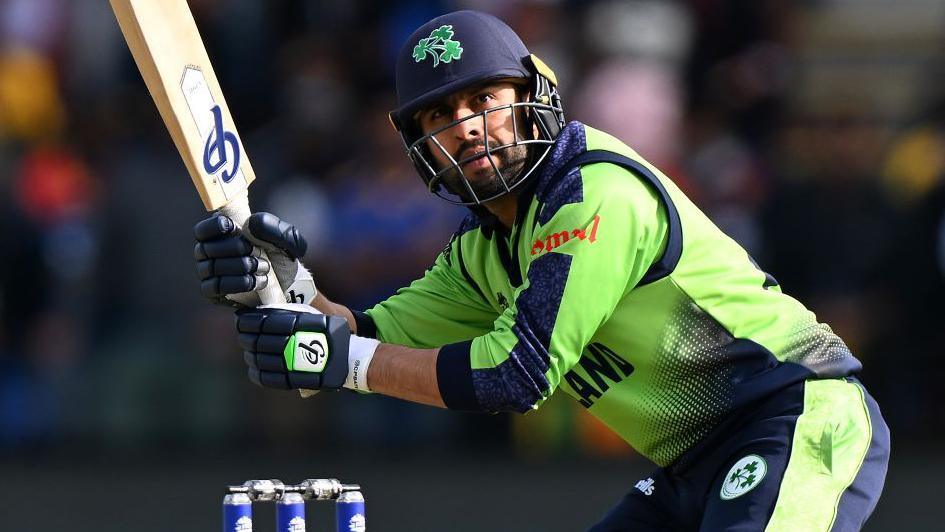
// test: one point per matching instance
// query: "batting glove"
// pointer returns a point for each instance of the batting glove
(230, 266)
(294, 346)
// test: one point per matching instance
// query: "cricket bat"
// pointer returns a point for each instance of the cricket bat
(171, 57)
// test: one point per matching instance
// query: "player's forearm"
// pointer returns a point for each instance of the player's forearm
(330, 308)
(395, 370)
(406, 373)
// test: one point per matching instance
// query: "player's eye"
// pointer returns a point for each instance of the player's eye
(485, 97)
(437, 113)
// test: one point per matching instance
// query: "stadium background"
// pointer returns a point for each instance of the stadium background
(811, 131)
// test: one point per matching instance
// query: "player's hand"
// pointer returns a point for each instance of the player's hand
(231, 269)
(294, 346)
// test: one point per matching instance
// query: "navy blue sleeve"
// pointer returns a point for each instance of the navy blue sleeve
(365, 324)
(454, 377)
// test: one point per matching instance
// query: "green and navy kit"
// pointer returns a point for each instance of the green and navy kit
(614, 287)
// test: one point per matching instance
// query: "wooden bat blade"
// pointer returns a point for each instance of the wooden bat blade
(171, 57)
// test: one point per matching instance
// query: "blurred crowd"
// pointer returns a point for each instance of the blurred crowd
(812, 132)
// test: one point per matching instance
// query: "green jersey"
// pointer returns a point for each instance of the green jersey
(613, 287)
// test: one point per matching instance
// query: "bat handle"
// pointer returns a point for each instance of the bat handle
(281, 263)
(238, 211)
(273, 294)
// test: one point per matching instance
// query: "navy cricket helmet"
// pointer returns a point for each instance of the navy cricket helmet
(457, 51)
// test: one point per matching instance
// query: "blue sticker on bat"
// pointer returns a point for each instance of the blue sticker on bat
(216, 147)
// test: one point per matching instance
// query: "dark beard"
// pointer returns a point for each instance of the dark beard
(510, 161)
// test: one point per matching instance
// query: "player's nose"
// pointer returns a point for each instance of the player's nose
(468, 126)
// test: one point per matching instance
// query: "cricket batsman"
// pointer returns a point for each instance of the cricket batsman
(580, 268)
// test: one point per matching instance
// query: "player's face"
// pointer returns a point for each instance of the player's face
(466, 141)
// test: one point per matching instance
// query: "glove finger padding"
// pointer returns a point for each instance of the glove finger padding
(266, 228)
(249, 320)
(250, 265)
(275, 320)
(285, 381)
(287, 348)
(310, 381)
(218, 287)
(231, 246)
(284, 322)
(215, 227)
(271, 344)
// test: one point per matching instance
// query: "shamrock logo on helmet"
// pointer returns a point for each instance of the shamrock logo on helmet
(439, 45)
